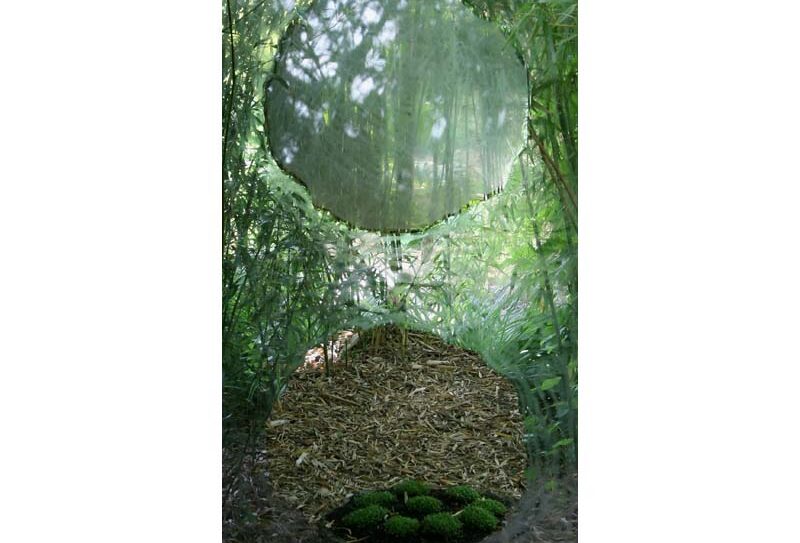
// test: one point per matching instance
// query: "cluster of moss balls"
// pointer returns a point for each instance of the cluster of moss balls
(376, 509)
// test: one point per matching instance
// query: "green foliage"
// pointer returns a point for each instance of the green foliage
(493, 506)
(463, 494)
(440, 62)
(400, 526)
(423, 505)
(499, 279)
(411, 488)
(442, 525)
(288, 273)
(547, 384)
(478, 519)
(365, 519)
(384, 498)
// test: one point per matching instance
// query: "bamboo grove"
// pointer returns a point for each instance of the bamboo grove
(499, 278)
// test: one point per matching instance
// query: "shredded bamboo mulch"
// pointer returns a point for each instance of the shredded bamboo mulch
(399, 405)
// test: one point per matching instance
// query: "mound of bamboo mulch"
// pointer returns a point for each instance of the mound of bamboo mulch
(402, 405)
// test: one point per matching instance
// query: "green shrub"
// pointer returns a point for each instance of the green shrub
(366, 518)
(411, 487)
(400, 526)
(493, 506)
(463, 494)
(478, 519)
(442, 525)
(374, 498)
(423, 505)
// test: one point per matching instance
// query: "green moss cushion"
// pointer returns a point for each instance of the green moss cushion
(411, 488)
(400, 526)
(423, 505)
(366, 518)
(493, 506)
(478, 519)
(442, 525)
(463, 494)
(384, 498)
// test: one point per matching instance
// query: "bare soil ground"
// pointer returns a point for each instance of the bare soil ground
(426, 410)
(399, 405)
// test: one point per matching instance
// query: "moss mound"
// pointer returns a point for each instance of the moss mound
(478, 519)
(423, 505)
(463, 494)
(384, 498)
(493, 506)
(416, 512)
(411, 488)
(400, 526)
(365, 519)
(442, 525)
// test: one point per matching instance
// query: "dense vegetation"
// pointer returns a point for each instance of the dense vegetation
(500, 279)
(421, 103)
(448, 514)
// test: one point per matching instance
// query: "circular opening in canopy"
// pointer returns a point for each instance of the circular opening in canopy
(396, 114)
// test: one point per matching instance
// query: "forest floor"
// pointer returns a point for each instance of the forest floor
(400, 405)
